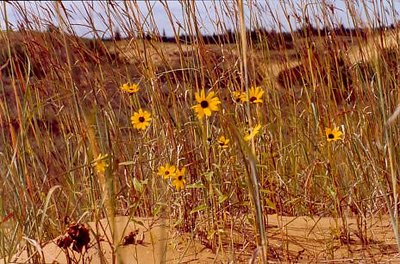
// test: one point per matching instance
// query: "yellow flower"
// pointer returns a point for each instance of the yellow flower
(130, 88)
(223, 142)
(100, 163)
(333, 134)
(179, 179)
(166, 171)
(206, 104)
(239, 96)
(252, 132)
(255, 95)
(141, 119)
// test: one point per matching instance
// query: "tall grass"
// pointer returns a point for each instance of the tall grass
(62, 106)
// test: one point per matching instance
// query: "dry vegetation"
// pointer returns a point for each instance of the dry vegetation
(316, 181)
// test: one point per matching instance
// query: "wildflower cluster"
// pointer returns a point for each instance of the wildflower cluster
(208, 103)
(177, 176)
(254, 96)
(140, 119)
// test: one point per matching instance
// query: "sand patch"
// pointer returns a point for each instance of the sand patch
(159, 243)
(291, 240)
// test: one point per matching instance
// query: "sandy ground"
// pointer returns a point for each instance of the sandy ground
(291, 240)
(158, 245)
(319, 240)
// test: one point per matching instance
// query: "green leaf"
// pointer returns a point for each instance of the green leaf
(137, 185)
(157, 210)
(196, 185)
(209, 175)
(266, 191)
(144, 182)
(46, 204)
(222, 198)
(210, 234)
(270, 204)
(199, 208)
(138, 222)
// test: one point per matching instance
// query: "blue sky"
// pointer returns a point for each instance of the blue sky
(211, 14)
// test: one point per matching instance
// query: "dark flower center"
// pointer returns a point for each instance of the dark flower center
(331, 136)
(180, 178)
(141, 119)
(221, 144)
(253, 98)
(204, 104)
(166, 172)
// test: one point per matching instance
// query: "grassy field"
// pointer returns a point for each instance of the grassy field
(139, 151)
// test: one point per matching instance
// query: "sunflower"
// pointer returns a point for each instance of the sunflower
(255, 95)
(141, 119)
(166, 171)
(252, 132)
(206, 104)
(179, 180)
(223, 142)
(100, 163)
(239, 96)
(130, 88)
(333, 134)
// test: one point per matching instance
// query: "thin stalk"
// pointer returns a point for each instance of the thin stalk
(251, 159)
(388, 142)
